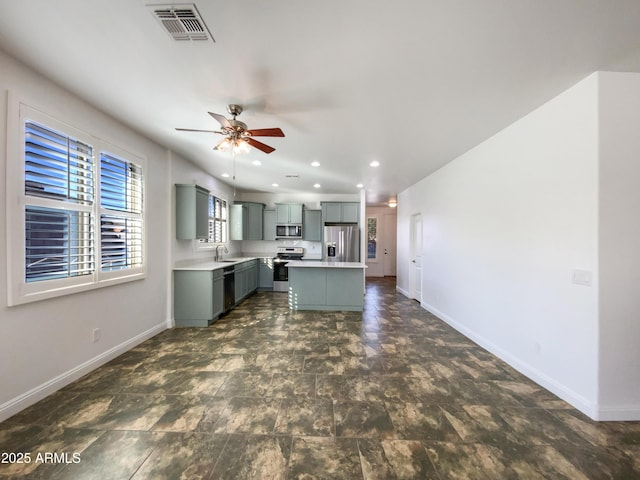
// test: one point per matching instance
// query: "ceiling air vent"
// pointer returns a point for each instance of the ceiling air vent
(294, 176)
(182, 22)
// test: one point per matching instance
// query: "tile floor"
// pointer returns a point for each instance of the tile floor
(392, 393)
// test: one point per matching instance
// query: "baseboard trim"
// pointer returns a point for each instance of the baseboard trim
(15, 405)
(576, 400)
(402, 291)
(625, 413)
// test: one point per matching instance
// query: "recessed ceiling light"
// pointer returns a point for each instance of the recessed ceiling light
(315, 164)
(375, 163)
(225, 175)
(359, 185)
(275, 185)
(257, 162)
(316, 185)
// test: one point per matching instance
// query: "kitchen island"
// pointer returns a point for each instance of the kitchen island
(326, 285)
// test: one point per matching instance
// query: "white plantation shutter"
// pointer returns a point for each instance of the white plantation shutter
(79, 213)
(121, 232)
(218, 220)
(59, 191)
(57, 166)
(59, 243)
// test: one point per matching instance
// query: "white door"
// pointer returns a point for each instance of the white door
(389, 243)
(416, 257)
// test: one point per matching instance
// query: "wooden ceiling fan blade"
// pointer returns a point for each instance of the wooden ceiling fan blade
(196, 130)
(265, 132)
(259, 145)
(222, 120)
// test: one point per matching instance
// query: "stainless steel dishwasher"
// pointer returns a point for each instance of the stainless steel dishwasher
(229, 287)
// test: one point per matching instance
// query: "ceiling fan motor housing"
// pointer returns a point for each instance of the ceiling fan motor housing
(234, 109)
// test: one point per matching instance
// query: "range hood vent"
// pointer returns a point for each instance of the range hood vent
(182, 22)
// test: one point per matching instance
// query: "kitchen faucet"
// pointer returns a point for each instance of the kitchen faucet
(217, 258)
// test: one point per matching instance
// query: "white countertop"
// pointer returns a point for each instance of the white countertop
(210, 264)
(316, 264)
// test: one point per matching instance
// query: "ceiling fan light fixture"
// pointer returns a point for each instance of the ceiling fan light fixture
(240, 146)
(223, 145)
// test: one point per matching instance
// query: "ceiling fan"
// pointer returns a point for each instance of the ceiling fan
(236, 135)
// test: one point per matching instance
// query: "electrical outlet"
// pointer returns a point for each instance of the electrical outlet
(96, 335)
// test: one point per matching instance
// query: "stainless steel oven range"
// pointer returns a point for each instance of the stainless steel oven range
(280, 273)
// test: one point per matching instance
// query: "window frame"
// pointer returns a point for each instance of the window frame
(377, 256)
(211, 243)
(19, 291)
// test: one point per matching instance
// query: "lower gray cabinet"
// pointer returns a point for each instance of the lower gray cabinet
(265, 274)
(198, 297)
(246, 279)
(218, 293)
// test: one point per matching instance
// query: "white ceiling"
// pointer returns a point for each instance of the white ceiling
(411, 83)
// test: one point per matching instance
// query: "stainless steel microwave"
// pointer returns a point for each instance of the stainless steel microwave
(288, 231)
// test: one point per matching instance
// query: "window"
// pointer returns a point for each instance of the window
(121, 213)
(372, 237)
(218, 221)
(83, 220)
(58, 172)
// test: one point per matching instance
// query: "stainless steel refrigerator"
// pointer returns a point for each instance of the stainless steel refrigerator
(341, 243)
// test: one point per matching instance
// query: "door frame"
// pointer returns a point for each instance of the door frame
(415, 259)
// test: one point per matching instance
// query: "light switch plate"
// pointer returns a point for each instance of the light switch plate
(582, 277)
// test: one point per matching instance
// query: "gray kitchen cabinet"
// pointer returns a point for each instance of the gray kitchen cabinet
(198, 297)
(218, 293)
(340, 212)
(246, 279)
(253, 276)
(312, 226)
(269, 225)
(289, 213)
(192, 212)
(265, 274)
(240, 282)
(246, 221)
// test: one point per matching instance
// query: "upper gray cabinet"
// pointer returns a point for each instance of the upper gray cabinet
(192, 212)
(246, 221)
(289, 213)
(340, 212)
(312, 226)
(269, 224)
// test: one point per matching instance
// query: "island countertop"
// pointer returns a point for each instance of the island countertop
(314, 264)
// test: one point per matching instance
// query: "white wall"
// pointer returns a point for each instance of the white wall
(619, 239)
(45, 345)
(504, 226)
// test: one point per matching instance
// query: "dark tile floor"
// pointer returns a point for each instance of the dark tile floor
(264, 393)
